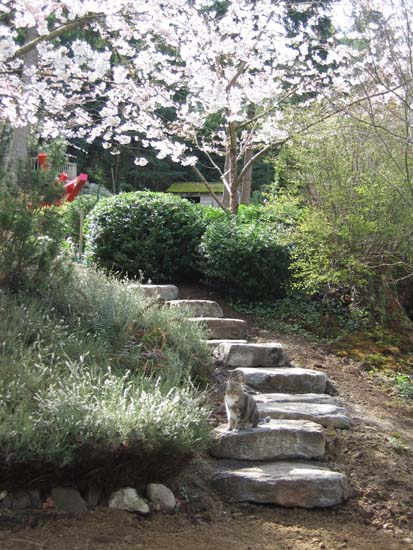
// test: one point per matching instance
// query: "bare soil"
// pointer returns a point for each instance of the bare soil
(376, 454)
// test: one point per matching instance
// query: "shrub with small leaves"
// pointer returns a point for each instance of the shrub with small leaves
(30, 233)
(153, 233)
(246, 258)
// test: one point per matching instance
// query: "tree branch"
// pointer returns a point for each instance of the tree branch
(207, 185)
(71, 26)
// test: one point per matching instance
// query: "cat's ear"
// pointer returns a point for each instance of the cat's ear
(239, 376)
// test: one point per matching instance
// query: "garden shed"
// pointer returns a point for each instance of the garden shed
(197, 192)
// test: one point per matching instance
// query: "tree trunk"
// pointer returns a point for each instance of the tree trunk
(233, 171)
(16, 157)
(225, 197)
(246, 183)
(247, 179)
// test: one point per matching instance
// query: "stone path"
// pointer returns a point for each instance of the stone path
(275, 462)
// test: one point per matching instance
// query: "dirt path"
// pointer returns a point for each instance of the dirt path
(379, 515)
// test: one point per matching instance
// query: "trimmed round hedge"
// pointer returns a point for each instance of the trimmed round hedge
(244, 258)
(145, 232)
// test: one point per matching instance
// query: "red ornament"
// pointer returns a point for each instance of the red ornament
(74, 186)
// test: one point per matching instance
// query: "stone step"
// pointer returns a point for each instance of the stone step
(285, 380)
(270, 354)
(321, 398)
(197, 308)
(218, 327)
(277, 439)
(160, 292)
(213, 344)
(302, 484)
(324, 414)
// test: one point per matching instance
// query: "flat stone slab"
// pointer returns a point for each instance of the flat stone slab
(295, 398)
(285, 380)
(324, 414)
(222, 327)
(213, 344)
(277, 439)
(269, 354)
(160, 292)
(197, 308)
(302, 484)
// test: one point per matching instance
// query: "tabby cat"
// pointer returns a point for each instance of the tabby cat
(242, 410)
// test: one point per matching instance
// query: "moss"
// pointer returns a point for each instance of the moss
(379, 349)
(194, 187)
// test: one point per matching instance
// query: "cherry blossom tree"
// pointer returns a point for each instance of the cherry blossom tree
(180, 76)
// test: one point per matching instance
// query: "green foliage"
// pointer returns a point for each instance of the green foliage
(350, 210)
(211, 214)
(153, 233)
(71, 214)
(103, 410)
(247, 258)
(404, 385)
(133, 330)
(30, 234)
(298, 313)
(88, 363)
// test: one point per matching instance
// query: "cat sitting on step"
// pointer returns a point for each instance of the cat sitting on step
(242, 410)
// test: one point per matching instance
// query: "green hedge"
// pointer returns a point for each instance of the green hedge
(153, 233)
(244, 258)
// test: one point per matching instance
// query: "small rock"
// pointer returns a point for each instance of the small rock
(408, 540)
(3, 494)
(94, 496)
(160, 495)
(321, 546)
(128, 499)
(20, 500)
(69, 500)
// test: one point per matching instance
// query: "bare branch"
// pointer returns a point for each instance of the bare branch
(207, 185)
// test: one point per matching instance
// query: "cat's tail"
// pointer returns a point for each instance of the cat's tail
(265, 420)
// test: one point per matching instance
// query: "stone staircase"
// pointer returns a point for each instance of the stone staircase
(277, 461)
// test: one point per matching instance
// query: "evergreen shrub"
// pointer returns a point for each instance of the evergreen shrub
(245, 258)
(30, 230)
(145, 232)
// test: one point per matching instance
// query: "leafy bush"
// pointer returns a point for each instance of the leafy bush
(100, 409)
(89, 364)
(71, 214)
(153, 233)
(132, 329)
(354, 223)
(246, 258)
